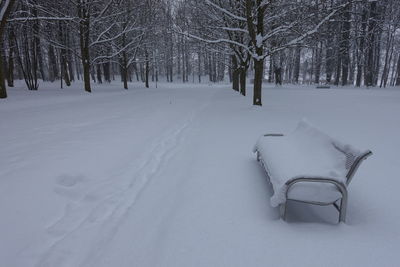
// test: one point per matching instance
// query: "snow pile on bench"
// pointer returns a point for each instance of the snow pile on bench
(306, 152)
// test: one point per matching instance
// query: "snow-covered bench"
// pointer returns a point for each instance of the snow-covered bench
(308, 166)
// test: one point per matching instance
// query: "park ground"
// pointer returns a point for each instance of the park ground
(166, 177)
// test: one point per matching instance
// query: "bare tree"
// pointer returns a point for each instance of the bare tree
(5, 10)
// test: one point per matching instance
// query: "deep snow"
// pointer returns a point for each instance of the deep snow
(166, 177)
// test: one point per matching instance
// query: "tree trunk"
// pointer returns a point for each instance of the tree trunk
(377, 58)
(84, 33)
(199, 65)
(329, 63)
(65, 72)
(278, 75)
(53, 69)
(361, 53)
(70, 61)
(98, 72)
(136, 70)
(3, 90)
(338, 67)
(179, 56)
(258, 73)
(271, 70)
(5, 64)
(6, 12)
(393, 70)
(209, 68)
(124, 70)
(63, 55)
(318, 60)
(235, 74)
(388, 58)
(106, 72)
(329, 57)
(255, 33)
(147, 70)
(188, 67)
(214, 67)
(27, 63)
(398, 72)
(183, 62)
(77, 68)
(10, 78)
(369, 75)
(38, 47)
(296, 72)
(86, 74)
(171, 57)
(345, 45)
(242, 72)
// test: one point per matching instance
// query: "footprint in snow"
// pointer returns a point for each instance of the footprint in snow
(68, 186)
(69, 180)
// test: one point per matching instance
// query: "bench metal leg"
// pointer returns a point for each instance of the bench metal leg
(343, 209)
(282, 211)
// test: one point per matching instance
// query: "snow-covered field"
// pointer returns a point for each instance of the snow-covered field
(166, 177)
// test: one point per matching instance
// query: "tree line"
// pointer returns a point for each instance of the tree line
(338, 42)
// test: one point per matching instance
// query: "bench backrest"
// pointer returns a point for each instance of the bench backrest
(348, 158)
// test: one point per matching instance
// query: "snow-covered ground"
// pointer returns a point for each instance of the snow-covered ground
(166, 177)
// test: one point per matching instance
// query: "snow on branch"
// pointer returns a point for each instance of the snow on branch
(226, 11)
(300, 38)
(215, 41)
(316, 28)
(42, 18)
(116, 53)
(233, 29)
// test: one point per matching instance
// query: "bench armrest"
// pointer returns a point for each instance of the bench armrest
(340, 186)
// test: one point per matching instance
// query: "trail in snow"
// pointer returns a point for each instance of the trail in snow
(96, 226)
(55, 148)
(187, 218)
